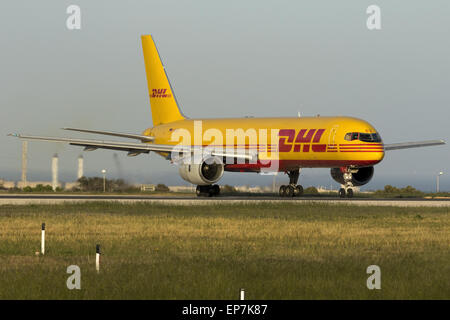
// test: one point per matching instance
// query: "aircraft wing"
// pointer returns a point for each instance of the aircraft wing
(134, 149)
(406, 145)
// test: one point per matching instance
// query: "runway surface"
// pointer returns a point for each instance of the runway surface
(21, 199)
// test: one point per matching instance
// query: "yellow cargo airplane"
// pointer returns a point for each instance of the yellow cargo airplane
(205, 148)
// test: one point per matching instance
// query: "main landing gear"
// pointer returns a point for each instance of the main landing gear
(208, 191)
(347, 190)
(293, 189)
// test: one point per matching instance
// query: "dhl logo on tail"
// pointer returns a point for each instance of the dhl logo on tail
(160, 93)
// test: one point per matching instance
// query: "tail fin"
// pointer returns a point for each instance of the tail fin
(162, 99)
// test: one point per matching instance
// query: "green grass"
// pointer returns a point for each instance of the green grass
(274, 251)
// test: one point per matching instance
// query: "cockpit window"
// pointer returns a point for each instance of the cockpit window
(348, 136)
(365, 137)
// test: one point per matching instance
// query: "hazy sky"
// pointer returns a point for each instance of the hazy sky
(225, 59)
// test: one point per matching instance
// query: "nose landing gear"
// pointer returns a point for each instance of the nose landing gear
(347, 191)
(293, 189)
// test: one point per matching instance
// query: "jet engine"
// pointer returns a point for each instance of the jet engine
(359, 178)
(209, 171)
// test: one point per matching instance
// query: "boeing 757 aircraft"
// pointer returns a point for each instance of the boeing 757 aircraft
(205, 148)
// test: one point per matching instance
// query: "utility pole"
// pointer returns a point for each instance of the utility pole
(104, 180)
(24, 161)
(437, 181)
(80, 172)
(55, 172)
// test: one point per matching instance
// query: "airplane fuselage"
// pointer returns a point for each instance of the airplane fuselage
(314, 142)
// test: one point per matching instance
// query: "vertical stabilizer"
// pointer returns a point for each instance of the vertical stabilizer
(162, 99)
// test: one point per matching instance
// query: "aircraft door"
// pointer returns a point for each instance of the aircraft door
(332, 136)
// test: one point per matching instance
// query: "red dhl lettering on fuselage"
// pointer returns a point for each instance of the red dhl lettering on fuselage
(308, 138)
(160, 93)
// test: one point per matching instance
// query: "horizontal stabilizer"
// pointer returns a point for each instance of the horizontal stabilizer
(417, 144)
(116, 134)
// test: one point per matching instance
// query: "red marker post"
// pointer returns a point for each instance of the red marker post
(97, 258)
(43, 239)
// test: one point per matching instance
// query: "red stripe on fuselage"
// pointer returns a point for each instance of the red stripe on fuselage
(360, 144)
(283, 165)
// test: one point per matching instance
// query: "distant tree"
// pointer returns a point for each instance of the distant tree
(162, 187)
(82, 183)
(390, 189)
(95, 184)
(228, 189)
(91, 184)
(42, 188)
(14, 190)
(311, 190)
(27, 189)
(410, 190)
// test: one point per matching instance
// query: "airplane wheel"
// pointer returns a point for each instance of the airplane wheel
(204, 191)
(289, 191)
(282, 191)
(216, 189)
(349, 193)
(342, 192)
(298, 191)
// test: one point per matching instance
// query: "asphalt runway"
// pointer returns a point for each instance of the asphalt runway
(21, 199)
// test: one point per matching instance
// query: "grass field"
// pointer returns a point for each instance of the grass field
(274, 251)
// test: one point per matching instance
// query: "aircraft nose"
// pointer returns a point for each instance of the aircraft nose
(380, 155)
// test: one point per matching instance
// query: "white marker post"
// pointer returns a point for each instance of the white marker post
(43, 239)
(97, 258)
(242, 294)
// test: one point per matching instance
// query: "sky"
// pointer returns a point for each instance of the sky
(225, 59)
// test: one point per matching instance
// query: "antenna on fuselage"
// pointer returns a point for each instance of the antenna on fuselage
(299, 114)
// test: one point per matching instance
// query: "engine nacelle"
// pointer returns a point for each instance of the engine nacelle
(209, 171)
(361, 177)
